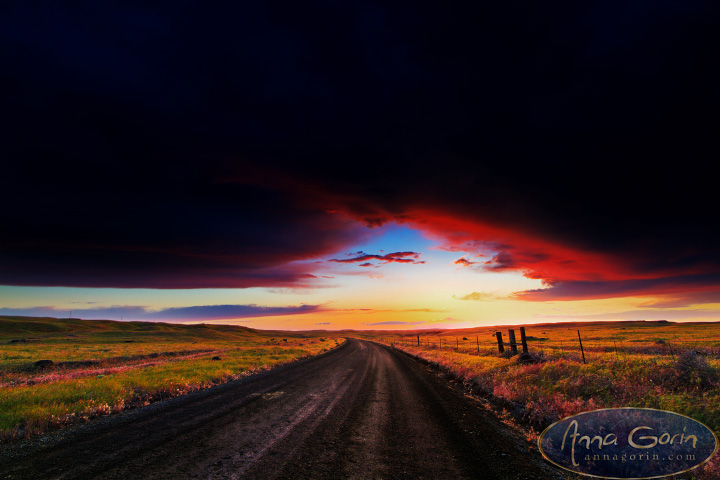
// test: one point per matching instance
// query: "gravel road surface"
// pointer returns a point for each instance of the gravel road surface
(360, 411)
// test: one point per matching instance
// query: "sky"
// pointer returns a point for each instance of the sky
(359, 165)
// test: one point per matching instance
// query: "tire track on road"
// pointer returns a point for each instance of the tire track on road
(360, 411)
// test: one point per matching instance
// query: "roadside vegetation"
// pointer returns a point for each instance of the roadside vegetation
(56, 372)
(659, 365)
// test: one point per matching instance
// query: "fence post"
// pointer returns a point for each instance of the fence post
(418, 340)
(581, 347)
(672, 353)
(523, 339)
(513, 344)
(477, 340)
(501, 348)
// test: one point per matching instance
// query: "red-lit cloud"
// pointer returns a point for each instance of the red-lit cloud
(464, 262)
(396, 257)
(572, 263)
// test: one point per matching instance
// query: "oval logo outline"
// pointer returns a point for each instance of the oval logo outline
(617, 409)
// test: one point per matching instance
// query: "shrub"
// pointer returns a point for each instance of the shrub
(693, 370)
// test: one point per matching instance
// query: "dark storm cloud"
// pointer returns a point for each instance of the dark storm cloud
(180, 145)
(199, 312)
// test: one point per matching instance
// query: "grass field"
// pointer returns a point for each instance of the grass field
(101, 367)
(661, 365)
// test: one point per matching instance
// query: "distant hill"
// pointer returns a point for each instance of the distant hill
(14, 326)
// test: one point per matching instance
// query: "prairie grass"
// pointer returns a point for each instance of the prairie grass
(106, 367)
(657, 365)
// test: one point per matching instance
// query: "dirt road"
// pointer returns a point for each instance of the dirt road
(360, 411)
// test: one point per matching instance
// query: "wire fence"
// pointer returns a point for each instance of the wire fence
(651, 348)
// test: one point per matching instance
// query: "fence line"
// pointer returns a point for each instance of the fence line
(586, 348)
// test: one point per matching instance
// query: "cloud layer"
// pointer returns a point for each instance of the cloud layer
(477, 296)
(193, 313)
(705, 315)
(398, 257)
(226, 147)
(392, 322)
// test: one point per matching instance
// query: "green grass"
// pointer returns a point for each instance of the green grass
(122, 365)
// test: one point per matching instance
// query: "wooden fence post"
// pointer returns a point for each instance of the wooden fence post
(501, 348)
(523, 339)
(672, 353)
(418, 340)
(477, 340)
(581, 347)
(513, 344)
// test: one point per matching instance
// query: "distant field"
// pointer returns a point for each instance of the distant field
(100, 367)
(662, 365)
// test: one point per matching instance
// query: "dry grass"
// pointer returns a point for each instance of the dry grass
(660, 365)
